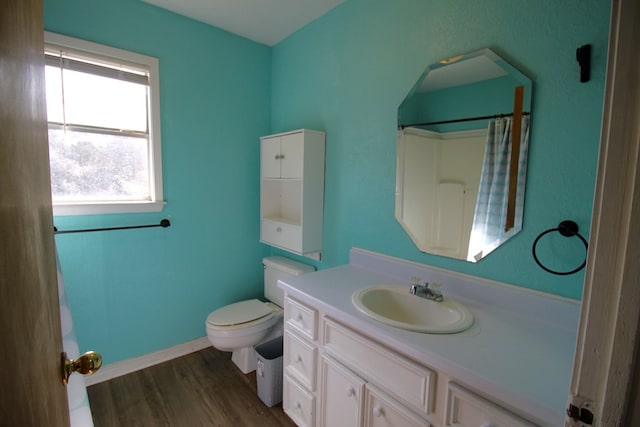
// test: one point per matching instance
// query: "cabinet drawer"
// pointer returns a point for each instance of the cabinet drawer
(297, 403)
(383, 411)
(301, 318)
(412, 384)
(281, 234)
(300, 360)
(467, 409)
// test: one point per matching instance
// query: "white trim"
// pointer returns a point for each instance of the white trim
(608, 334)
(128, 366)
(107, 208)
(135, 60)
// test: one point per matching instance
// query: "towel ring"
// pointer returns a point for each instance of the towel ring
(568, 229)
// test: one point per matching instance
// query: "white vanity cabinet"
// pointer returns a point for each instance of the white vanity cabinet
(336, 377)
(292, 191)
(511, 368)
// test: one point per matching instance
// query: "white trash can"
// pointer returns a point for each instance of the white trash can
(269, 371)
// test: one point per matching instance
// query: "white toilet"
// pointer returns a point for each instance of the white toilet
(239, 327)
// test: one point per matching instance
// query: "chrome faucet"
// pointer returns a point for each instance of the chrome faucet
(424, 291)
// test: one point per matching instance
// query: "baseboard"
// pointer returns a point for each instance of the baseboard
(124, 367)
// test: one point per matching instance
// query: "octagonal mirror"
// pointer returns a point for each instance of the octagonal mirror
(463, 136)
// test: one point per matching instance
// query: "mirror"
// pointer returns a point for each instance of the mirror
(459, 183)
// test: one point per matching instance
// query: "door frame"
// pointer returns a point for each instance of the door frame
(603, 376)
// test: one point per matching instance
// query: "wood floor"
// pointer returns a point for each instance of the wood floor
(201, 389)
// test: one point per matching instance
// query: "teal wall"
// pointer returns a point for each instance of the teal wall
(348, 72)
(133, 292)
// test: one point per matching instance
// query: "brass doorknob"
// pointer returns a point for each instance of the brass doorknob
(86, 364)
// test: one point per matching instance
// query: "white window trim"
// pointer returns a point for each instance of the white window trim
(155, 154)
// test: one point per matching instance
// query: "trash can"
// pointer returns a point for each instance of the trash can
(269, 371)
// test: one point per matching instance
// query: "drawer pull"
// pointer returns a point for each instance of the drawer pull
(279, 229)
(298, 317)
(350, 391)
(298, 359)
(297, 405)
(378, 412)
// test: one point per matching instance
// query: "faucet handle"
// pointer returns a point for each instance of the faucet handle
(436, 291)
(415, 284)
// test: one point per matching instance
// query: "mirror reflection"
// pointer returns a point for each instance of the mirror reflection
(463, 134)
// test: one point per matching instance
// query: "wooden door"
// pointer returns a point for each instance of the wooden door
(32, 393)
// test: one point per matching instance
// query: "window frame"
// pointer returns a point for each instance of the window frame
(111, 54)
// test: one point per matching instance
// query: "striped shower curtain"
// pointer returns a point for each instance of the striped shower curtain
(487, 232)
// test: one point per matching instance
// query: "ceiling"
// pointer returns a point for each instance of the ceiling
(264, 21)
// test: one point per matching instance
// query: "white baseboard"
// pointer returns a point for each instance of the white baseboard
(124, 367)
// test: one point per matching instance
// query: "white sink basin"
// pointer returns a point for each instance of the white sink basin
(395, 306)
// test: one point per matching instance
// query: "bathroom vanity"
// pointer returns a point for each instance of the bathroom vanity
(342, 368)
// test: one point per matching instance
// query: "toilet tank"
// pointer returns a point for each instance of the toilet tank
(277, 268)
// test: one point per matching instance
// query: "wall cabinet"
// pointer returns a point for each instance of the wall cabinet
(334, 376)
(292, 191)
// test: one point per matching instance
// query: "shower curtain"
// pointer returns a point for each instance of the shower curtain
(79, 410)
(487, 232)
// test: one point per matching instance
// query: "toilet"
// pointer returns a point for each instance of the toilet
(240, 326)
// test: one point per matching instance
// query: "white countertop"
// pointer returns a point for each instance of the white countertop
(522, 358)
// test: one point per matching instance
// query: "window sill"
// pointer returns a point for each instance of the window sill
(69, 209)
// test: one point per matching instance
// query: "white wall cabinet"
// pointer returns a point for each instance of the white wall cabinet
(334, 376)
(292, 191)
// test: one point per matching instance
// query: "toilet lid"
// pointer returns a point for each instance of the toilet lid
(239, 312)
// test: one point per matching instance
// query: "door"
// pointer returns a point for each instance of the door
(292, 155)
(270, 157)
(32, 393)
(340, 395)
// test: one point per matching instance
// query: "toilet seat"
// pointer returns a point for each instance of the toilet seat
(254, 318)
(239, 313)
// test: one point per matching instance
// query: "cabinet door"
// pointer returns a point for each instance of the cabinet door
(291, 155)
(270, 157)
(467, 409)
(383, 411)
(340, 395)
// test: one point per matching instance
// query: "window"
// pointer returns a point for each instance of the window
(104, 128)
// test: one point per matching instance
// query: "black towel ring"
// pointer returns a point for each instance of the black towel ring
(568, 229)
